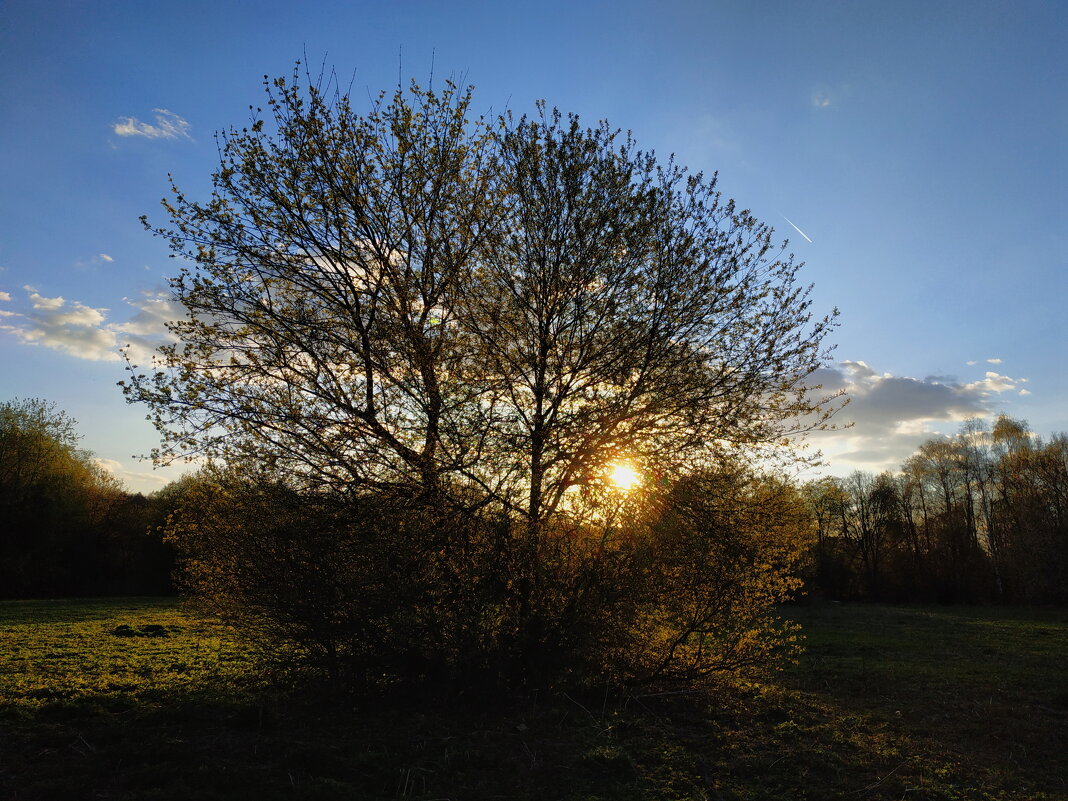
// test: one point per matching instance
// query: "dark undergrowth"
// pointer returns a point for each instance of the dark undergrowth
(136, 699)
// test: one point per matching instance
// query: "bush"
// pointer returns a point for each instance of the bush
(681, 584)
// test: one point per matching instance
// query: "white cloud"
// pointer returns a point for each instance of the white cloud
(94, 261)
(5, 296)
(893, 415)
(138, 480)
(111, 465)
(84, 332)
(1024, 392)
(993, 361)
(168, 126)
(73, 330)
(971, 363)
(993, 383)
(147, 329)
(56, 313)
(44, 303)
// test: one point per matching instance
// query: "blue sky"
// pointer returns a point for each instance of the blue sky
(920, 146)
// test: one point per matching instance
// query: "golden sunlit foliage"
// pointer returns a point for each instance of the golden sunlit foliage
(722, 553)
(678, 584)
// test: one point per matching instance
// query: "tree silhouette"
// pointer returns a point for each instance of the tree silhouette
(475, 316)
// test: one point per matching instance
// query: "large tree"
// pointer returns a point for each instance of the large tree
(438, 331)
(421, 299)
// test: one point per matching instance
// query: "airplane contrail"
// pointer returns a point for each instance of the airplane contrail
(795, 227)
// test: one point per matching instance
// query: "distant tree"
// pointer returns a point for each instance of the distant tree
(475, 316)
(859, 531)
(832, 570)
(875, 530)
(37, 440)
(140, 562)
(1030, 512)
(43, 483)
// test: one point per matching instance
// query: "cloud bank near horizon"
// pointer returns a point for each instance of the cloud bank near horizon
(138, 480)
(893, 415)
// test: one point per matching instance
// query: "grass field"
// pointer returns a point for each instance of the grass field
(136, 699)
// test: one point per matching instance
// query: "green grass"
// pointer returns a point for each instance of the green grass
(136, 699)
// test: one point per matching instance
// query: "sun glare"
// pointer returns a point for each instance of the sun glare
(624, 476)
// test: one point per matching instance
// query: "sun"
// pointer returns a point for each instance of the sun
(624, 476)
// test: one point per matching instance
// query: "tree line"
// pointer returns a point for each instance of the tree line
(67, 526)
(978, 517)
(720, 550)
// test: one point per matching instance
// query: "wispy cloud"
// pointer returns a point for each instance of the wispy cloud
(796, 228)
(168, 125)
(140, 335)
(821, 98)
(71, 328)
(94, 262)
(993, 361)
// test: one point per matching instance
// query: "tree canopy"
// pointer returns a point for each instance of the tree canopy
(421, 299)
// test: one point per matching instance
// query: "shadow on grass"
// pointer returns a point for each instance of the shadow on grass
(889, 703)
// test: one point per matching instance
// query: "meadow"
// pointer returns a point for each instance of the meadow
(140, 699)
